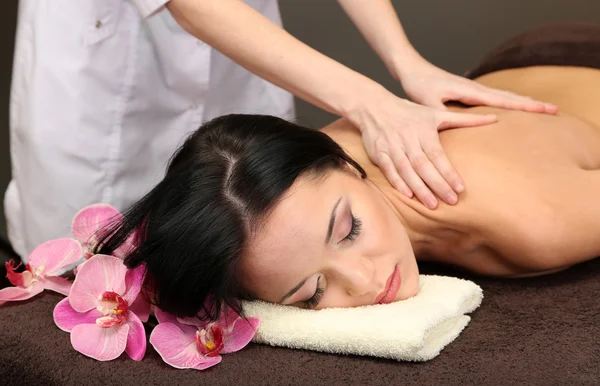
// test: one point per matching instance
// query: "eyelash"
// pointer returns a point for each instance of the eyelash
(316, 298)
(352, 235)
(355, 230)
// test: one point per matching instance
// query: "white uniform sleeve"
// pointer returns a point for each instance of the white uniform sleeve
(148, 7)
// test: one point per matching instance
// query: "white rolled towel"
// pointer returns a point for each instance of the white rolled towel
(416, 329)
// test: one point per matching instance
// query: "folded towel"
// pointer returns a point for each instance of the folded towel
(416, 329)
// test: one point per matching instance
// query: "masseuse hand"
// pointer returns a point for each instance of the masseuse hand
(401, 137)
(431, 86)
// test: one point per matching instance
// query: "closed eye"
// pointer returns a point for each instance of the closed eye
(313, 302)
(354, 230)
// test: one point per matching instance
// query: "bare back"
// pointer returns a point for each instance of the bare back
(532, 180)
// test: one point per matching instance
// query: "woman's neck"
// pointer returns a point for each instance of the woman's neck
(429, 235)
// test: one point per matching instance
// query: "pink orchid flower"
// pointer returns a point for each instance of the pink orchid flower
(90, 220)
(188, 343)
(45, 262)
(103, 312)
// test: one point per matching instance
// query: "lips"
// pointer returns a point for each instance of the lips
(391, 288)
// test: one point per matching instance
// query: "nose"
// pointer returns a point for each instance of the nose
(357, 275)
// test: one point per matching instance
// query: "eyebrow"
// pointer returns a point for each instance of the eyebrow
(329, 232)
(332, 221)
(293, 291)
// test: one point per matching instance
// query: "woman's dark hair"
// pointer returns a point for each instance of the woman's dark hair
(192, 228)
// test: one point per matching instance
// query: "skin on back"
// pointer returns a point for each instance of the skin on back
(532, 180)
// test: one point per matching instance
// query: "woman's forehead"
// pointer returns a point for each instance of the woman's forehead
(297, 225)
(297, 220)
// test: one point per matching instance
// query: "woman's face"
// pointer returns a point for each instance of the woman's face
(333, 241)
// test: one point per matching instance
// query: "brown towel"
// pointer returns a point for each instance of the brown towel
(560, 44)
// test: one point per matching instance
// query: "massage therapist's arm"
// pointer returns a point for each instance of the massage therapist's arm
(422, 81)
(399, 135)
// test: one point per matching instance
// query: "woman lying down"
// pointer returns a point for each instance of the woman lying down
(254, 207)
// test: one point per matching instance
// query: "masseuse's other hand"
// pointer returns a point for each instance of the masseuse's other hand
(401, 137)
(431, 86)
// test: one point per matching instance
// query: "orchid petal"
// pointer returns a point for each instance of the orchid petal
(208, 362)
(240, 335)
(54, 255)
(11, 294)
(136, 339)
(164, 317)
(18, 279)
(57, 284)
(228, 317)
(103, 344)
(177, 345)
(126, 248)
(97, 275)
(193, 321)
(107, 321)
(65, 317)
(141, 308)
(134, 278)
(92, 218)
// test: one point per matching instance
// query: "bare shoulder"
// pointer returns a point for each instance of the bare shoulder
(532, 186)
(515, 239)
(344, 133)
(349, 138)
(545, 232)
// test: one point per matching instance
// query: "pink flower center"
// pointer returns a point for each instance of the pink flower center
(210, 340)
(113, 307)
(21, 279)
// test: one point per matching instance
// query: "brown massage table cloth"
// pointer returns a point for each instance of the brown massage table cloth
(537, 331)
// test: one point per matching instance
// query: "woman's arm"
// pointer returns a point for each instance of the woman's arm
(400, 137)
(379, 24)
(253, 41)
(422, 81)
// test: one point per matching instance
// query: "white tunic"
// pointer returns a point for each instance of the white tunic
(103, 92)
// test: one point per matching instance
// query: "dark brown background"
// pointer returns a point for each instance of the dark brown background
(451, 34)
(539, 331)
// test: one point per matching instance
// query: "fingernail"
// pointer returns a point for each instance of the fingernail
(430, 202)
(451, 198)
(459, 187)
